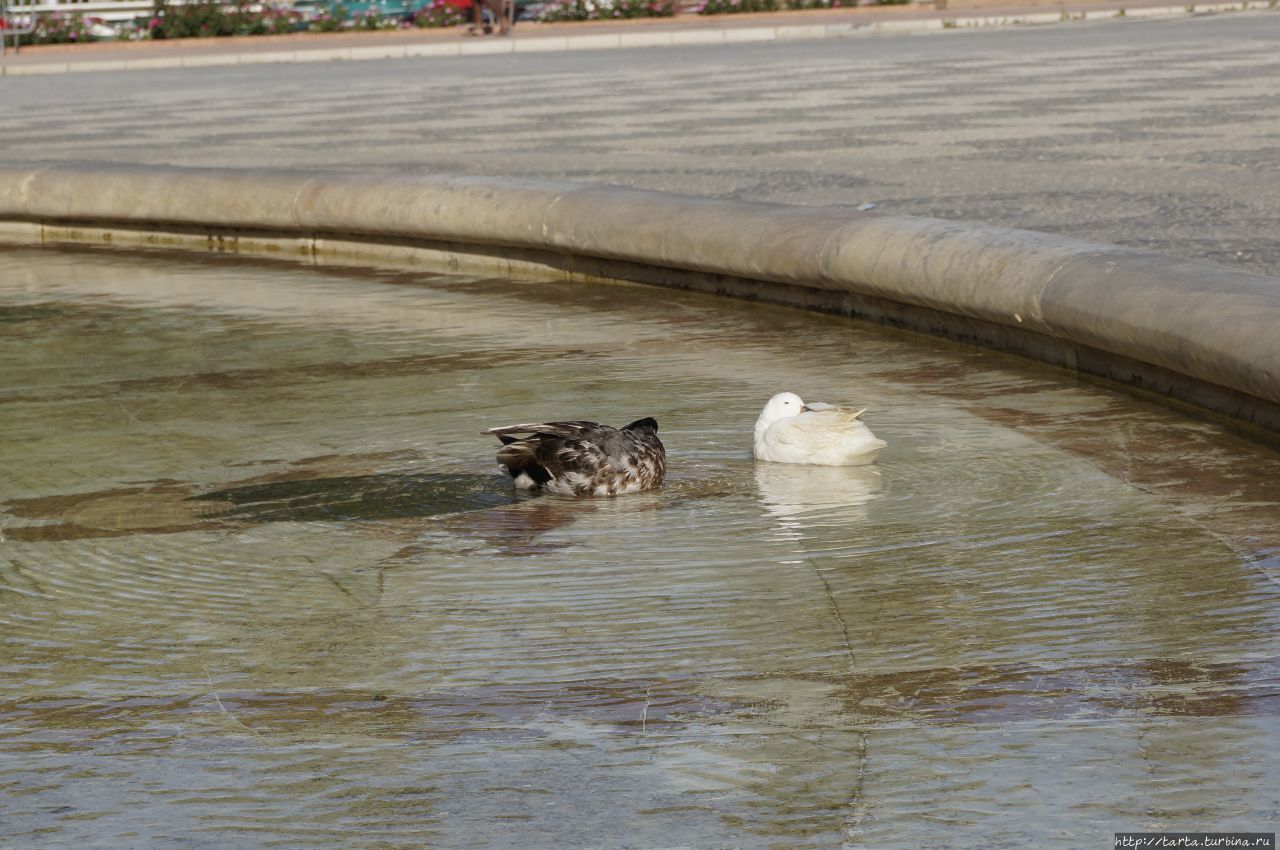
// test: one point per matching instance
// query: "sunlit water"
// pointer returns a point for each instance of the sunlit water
(261, 584)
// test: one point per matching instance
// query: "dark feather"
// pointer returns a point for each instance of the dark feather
(646, 424)
(583, 458)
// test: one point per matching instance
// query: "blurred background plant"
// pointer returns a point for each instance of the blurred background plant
(61, 28)
(209, 19)
(329, 19)
(441, 13)
(212, 19)
(596, 10)
(729, 7)
(372, 19)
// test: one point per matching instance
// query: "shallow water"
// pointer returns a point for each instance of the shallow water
(261, 585)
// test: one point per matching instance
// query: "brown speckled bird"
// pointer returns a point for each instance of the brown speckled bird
(581, 458)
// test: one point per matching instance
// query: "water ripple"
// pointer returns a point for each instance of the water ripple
(260, 582)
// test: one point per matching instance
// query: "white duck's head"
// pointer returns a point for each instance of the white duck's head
(780, 406)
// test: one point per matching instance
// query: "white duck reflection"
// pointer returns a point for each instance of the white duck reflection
(805, 498)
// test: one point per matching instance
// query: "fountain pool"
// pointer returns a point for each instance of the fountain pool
(262, 585)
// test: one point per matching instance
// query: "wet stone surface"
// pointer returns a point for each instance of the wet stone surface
(261, 583)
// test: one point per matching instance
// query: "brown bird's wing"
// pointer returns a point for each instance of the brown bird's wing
(569, 451)
(574, 429)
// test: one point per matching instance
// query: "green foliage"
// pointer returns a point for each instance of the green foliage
(58, 28)
(207, 19)
(190, 20)
(598, 10)
(643, 9)
(440, 14)
(330, 21)
(283, 21)
(731, 7)
(571, 10)
(372, 19)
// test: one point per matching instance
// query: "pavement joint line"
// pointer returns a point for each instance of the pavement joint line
(204, 61)
(751, 34)
(540, 45)
(485, 48)
(645, 39)
(715, 36)
(597, 41)
(270, 58)
(417, 50)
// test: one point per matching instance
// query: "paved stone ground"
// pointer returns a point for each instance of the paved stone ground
(1159, 134)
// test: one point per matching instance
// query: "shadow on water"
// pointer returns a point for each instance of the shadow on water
(12, 314)
(489, 712)
(166, 507)
(359, 497)
(1020, 692)
(483, 508)
(973, 695)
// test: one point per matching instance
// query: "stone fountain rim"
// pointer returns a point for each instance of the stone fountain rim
(1186, 330)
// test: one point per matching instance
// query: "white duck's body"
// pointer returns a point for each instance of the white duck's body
(788, 431)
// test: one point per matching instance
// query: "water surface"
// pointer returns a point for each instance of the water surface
(261, 584)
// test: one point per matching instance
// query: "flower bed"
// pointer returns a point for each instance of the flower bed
(442, 13)
(603, 10)
(209, 19)
(58, 28)
(729, 7)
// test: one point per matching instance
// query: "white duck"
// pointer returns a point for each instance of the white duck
(789, 431)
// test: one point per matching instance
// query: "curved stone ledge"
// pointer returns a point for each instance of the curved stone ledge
(1193, 331)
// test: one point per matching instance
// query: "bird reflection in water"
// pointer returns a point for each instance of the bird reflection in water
(802, 499)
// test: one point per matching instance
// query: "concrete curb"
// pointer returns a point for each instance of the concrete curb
(1187, 330)
(616, 40)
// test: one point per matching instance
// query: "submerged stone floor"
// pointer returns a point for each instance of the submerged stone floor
(261, 585)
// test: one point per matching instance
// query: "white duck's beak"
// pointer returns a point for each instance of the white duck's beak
(804, 408)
